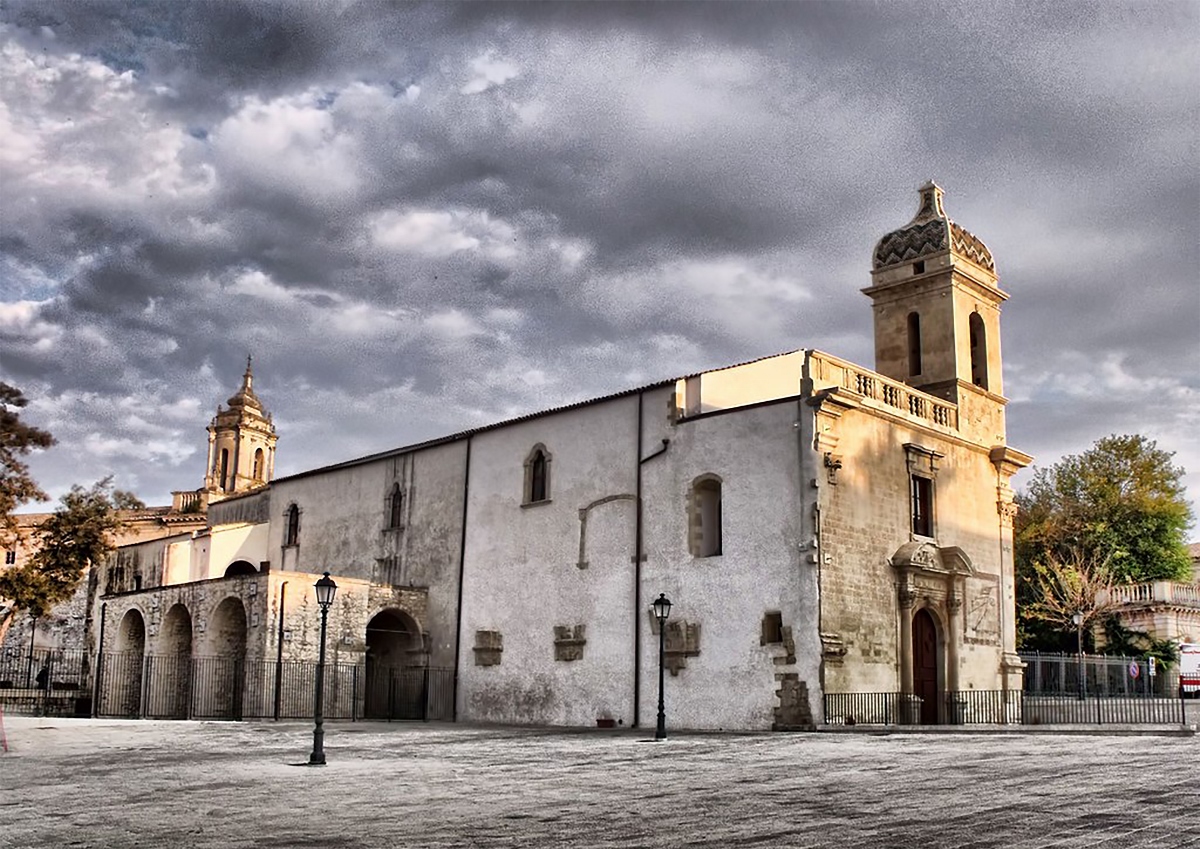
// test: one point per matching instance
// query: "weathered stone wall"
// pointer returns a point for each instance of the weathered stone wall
(254, 509)
(865, 519)
(273, 603)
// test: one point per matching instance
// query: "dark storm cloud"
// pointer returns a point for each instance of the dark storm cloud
(420, 217)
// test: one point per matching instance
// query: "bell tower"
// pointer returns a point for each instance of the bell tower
(937, 306)
(241, 444)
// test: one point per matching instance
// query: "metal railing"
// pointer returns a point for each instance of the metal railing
(185, 687)
(1095, 674)
(868, 709)
(1004, 707)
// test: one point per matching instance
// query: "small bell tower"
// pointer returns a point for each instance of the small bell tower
(937, 306)
(241, 443)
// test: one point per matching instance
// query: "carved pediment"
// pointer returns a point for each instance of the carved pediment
(927, 557)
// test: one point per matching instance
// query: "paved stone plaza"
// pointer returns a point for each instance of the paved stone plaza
(92, 783)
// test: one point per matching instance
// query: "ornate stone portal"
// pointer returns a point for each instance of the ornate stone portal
(934, 579)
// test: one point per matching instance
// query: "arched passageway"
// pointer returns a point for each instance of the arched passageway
(219, 670)
(395, 668)
(121, 671)
(168, 688)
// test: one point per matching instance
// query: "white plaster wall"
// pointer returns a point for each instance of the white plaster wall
(522, 575)
(236, 542)
(177, 562)
(731, 684)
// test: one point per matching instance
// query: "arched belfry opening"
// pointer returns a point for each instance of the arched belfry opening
(396, 667)
(979, 357)
(914, 344)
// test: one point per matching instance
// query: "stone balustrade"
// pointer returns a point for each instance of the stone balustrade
(892, 395)
(1158, 592)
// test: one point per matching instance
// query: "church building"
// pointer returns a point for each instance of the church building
(819, 527)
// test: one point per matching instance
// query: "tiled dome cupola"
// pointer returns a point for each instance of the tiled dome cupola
(931, 233)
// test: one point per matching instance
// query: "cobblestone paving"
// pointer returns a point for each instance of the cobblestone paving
(91, 783)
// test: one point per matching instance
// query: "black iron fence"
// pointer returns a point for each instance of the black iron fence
(60, 683)
(50, 682)
(1006, 707)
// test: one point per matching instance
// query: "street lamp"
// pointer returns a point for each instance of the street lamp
(326, 590)
(1077, 618)
(662, 609)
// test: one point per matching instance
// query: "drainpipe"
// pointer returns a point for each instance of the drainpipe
(638, 556)
(462, 565)
(637, 575)
(279, 651)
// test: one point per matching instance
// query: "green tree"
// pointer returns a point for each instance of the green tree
(1121, 504)
(80, 532)
(1065, 600)
(17, 439)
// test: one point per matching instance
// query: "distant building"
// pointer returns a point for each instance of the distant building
(1165, 610)
(819, 526)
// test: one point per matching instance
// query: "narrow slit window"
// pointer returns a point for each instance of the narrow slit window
(706, 531)
(396, 507)
(292, 534)
(537, 475)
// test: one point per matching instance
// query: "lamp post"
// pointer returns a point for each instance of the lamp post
(326, 590)
(662, 609)
(1077, 618)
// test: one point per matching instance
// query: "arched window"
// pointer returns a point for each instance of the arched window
(258, 464)
(914, 344)
(704, 517)
(396, 507)
(537, 475)
(291, 535)
(224, 469)
(978, 351)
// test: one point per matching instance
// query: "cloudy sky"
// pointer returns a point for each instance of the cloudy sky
(421, 218)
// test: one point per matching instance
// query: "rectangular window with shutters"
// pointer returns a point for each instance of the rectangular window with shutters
(922, 506)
